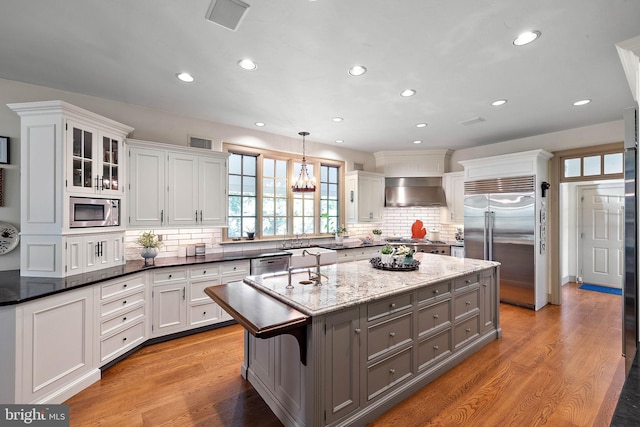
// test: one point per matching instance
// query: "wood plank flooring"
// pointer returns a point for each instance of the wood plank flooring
(560, 366)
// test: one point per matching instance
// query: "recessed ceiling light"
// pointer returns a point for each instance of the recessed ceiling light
(408, 92)
(526, 38)
(339, 141)
(337, 119)
(357, 70)
(259, 124)
(582, 102)
(185, 77)
(499, 102)
(421, 125)
(417, 142)
(247, 64)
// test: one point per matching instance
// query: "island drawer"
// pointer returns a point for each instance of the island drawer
(434, 348)
(234, 267)
(119, 342)
(467, 303)
(385, 307)
(202, 271)
(434, 292)
(433, 316)
(196, 289)
(168, 275)
(383, 375)
(121, 303)
(388, 335)
(110, 289)
(466, 281)
(466, 331)
(125, 318)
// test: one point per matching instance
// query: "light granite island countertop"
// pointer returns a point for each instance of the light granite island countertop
(358, 282)
(365, 339)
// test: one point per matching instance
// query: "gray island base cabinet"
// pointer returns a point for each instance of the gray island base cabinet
(375, 337)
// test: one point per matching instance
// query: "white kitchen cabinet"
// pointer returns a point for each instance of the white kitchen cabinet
(358, 254)
(169, 295)
(53, 168)
(453, 213)
(364, 197)
(91, 252)
(94, 160)
(55, 347)
(174, 186)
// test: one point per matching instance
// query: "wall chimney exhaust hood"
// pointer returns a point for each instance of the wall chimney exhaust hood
(403, 192)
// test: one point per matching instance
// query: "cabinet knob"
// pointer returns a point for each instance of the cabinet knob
(235, 268)
(204, 272)
(170, 276)
(124, 339)
(468, 302)
(435, 316)
(124, 286)
(392, 371)
(468, 330)
(436, 291)
(467, 281)
(204, 313)
(435, 347)
(392, 305)
(358, 330)
(392, 334)
(124, 319)
(124, 302)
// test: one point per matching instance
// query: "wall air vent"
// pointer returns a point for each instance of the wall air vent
(473, 121)
(227, 13)
(358, 166)
(198, 142)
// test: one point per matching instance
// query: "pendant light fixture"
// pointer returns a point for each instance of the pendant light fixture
(304, 183)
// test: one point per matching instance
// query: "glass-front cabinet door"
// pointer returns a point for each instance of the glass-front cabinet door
(95, 161)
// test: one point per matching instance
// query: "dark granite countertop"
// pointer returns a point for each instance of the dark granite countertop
(16, 289)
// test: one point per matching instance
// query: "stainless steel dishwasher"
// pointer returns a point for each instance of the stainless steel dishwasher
(270, 264)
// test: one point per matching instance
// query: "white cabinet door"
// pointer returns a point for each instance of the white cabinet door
(364, 196)
(82, 168)
(93, 252)
(212, 194)
(169, 308)
(147, 186)
(453, 183)
(110, 164)
(183, 189)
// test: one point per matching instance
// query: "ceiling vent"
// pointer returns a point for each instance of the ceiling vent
(473, 121)
(227, 13)
(197, 142)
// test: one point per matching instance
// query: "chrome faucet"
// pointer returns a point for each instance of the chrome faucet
(317, 276)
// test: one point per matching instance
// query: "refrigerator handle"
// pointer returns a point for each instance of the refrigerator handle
(492, 216)
(484, 237)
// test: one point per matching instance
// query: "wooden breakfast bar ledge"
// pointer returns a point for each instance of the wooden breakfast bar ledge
(345, 351)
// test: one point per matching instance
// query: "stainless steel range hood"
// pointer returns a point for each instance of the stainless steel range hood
(402, 192)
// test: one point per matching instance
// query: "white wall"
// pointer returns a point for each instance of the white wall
(602, 133)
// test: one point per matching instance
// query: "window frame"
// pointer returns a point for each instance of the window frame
(290, 158)
(581, 154)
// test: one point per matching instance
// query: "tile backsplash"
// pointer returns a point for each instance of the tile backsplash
(397, 223)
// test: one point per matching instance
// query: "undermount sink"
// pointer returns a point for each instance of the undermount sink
(327, 256)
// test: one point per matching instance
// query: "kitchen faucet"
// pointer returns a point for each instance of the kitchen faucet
(317, 276)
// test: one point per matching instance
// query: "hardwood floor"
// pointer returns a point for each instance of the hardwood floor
(560, 366)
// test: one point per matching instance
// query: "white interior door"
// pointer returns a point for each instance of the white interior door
(602, 235)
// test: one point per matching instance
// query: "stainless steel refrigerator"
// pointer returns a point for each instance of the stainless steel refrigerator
(630, 288)
(499, 225)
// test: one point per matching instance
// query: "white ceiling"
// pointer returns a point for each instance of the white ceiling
(457, 54)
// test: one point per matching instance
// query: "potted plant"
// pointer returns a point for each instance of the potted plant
(376, 234)
(385, 254)
(408, 258)
(150, 247)
(340, 232)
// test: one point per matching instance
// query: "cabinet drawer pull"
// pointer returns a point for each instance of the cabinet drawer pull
(467, 281)
(468, 330)
(435, 347)
(392, 371)
(124, 339)
(468, 302)
(358, 330)
(392, 334)
(436, 316)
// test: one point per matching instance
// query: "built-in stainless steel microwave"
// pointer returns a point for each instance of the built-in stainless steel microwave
(93, 212)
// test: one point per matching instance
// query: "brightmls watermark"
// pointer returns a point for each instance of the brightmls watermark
(34, 415)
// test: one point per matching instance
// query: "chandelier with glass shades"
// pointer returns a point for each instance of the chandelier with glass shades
(304, 183)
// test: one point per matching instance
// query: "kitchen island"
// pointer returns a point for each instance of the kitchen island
(364, 339)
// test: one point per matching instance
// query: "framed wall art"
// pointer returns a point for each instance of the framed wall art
(4, 150)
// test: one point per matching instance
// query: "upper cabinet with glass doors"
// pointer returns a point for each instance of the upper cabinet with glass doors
(95, 160)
